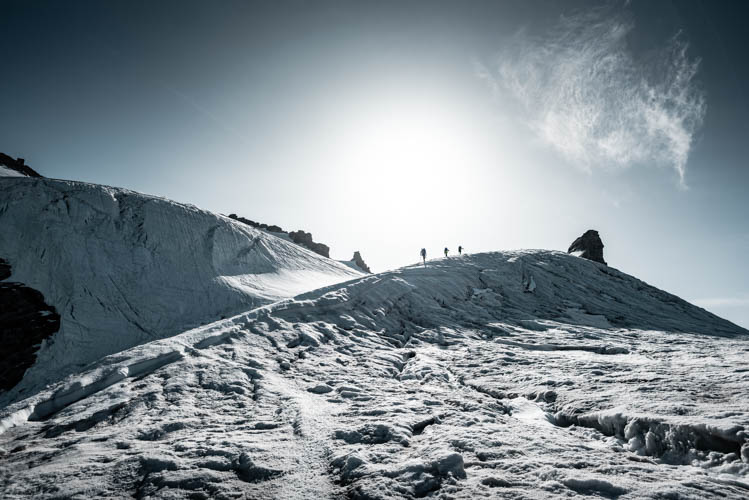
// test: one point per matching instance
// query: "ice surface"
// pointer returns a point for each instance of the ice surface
(123, 268)
(448, 381)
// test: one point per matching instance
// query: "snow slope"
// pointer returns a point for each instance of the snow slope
(9, 172)
(528, 374)
(122, 268)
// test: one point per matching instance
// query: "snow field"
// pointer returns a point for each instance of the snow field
(409, 384)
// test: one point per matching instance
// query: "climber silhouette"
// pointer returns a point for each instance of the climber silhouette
(446, 250)
(460, 250)
(423, 254)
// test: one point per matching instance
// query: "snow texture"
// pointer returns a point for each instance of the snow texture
(123, 268)
(452, 380)
(9, 172)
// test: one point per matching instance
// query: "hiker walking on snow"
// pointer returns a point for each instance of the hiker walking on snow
(446, 250)
(460, 250)
(423, 254)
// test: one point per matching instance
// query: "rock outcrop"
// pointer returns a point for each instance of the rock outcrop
(360, 262)
(258, 225)
(19, 165)
(299, 237)
(305, 239)
(25, 321)
(590, 246)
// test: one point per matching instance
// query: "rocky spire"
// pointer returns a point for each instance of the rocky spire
(360, 262)
(590, 245)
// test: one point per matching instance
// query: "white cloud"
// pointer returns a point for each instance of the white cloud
(582, 91)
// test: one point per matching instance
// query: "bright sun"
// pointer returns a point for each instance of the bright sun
(413, 153)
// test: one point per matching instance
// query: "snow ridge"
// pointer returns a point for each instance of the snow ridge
(452, 379)
(123, 268)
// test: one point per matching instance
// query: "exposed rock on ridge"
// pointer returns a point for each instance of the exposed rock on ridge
(258, 225)
(590, 245)
(19, 165)
(360, 262)
(305, 239)
(299, 237)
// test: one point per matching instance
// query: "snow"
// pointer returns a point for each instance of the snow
(448, 381)
(122, 268)
(9, 172)
(352, 264)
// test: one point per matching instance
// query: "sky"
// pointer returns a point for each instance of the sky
(386, 127)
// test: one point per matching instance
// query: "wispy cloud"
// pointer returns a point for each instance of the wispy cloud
(584, 93)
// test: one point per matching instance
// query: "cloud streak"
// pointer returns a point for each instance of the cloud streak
(584, 93)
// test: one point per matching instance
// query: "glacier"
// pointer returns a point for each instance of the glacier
(122, 268)
(512, 374)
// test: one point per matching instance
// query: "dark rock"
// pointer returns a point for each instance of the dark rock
(4, 270)
(25, 321)
(258, 225)
(299, 237)
(247, 221)
(590, 245)
(360, 262)
(305, 239)
(19, 165)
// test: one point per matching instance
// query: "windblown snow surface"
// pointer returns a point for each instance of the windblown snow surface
(9, 172)
(122, 268)
(526, 374)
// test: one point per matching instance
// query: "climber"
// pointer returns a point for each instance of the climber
(446, 250)
(423, 254)
(460, 250)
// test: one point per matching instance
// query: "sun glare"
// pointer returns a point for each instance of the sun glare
(413, 153)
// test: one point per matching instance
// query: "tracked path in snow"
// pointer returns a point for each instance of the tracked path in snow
(308, 476)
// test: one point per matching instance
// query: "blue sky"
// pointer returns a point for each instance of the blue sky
(388, 126)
